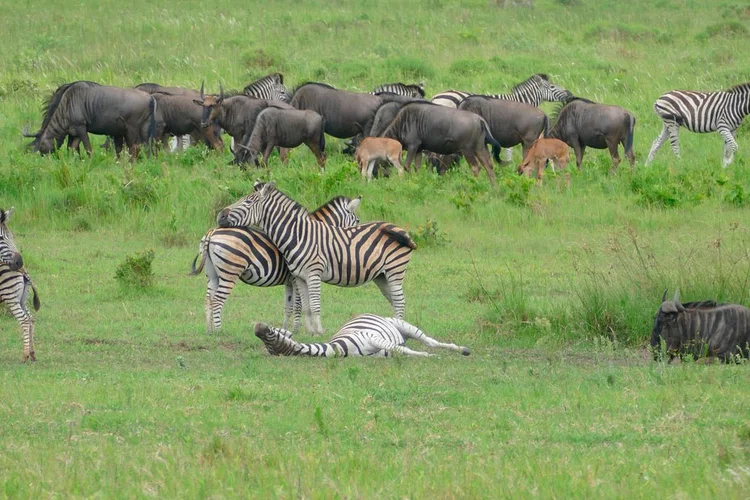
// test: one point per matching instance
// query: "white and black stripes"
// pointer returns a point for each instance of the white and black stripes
(534, 90)
(364, 335)
(702, 112)
(407, 90)
(270, 87)
(14, 285)
(316, 252)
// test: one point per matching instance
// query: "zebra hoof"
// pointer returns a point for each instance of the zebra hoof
(465, 351)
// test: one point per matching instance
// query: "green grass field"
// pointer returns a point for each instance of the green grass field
(553, 288)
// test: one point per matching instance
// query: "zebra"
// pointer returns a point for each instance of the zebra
(270, 87)
(14, 285)
(534, 90)
(702, 112)
(364, 335)
(701, 328)
(316, 252)
(232, 254)
(411, 90)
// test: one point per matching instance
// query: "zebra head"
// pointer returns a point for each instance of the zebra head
(248, 211)
(9, 255)
(549, 91)
(280, 93)
(666, 319)
(277, 340)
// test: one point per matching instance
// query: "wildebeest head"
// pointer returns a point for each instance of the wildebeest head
(247, 211)
(666, 319)
(243, 155)
(209, 104)
(9, 255)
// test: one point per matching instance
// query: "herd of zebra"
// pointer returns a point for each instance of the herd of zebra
(301, 250)
(266, 115)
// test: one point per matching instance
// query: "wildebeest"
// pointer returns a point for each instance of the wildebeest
(79, 108)
(179, 115)
(582, 123)
(426, 126)
(372, 149)
(698, 328)
(511, 123)
(286, 128)
(383, 117)
(541, 151)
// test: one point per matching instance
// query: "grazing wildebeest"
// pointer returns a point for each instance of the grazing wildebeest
(426, 126)
(345, 113)
(364, 335)
(540, 152)
(701, 328)
(582, 123)
(287, 128)
(372, 149)
(83, 107)
(442, 163)
(510, 122)
(179, 115)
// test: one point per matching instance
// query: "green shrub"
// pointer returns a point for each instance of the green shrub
(727, 29)
(516, 188)
(429, 234)
(136, 270)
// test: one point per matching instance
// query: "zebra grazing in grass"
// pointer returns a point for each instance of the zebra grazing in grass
(534, 91)
(364, 335)
(239, 253)
(702, 112)
(403, 89)
(270, 87)
(317, 252)
(14, 285)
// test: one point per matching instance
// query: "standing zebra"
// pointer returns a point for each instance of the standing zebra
(534, 91)
(14, 285)
(702, 112)
(403, 89)
(241, 253)
(270, 87)
(364, 335)
(316, 252)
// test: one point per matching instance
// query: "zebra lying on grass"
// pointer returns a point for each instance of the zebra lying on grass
(240, 253)
(701, 328)
(365, 335)
(14, 285)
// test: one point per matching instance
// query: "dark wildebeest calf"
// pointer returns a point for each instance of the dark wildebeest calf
(721, 330)
(582, 123)
(426, 126)
(85, 107)
(511, 123)
(287, 128)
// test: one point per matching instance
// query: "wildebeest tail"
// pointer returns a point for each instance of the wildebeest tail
(546, 125)
(152, 124)
(629, 137)
(322, 141)
(488, 139)
(399, 235)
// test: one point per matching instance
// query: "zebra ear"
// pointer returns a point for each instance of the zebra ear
(664, 297)
(5, 215)
(268, 187)
(354, 204)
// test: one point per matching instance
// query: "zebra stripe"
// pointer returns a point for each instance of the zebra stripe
(247, 255)
(14, 286)
(270, 87)
(316, 252)
(702, 112)
(364, 335)
(534, 90)
(403, 89)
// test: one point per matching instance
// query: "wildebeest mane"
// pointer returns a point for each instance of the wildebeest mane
(559, 108)
(50, 105)
(319, 84)
(702, 304)
(739, 89)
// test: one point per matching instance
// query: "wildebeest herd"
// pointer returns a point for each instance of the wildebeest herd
(300, 250)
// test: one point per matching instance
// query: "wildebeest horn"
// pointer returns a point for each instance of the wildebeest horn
(676, 298)
(221, 92)
(664, 297)
(243, 147)
(202, 83)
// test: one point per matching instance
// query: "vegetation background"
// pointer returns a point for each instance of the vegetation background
(553, 288)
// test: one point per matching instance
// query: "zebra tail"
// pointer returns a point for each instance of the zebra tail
(202, 253)
(629, 137)
(399, 235)
(37, 302)
(675, 118)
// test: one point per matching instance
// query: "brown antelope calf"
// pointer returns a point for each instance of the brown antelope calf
(372, 149)
(541, 151)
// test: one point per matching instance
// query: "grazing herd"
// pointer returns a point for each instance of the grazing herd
(267, 239)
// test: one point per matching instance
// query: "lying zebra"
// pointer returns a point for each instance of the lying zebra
(364, 335)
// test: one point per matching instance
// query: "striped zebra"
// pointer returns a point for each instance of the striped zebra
(702, 112)
(534, 90)
(410, 90)
(364, 335)
(14, 285)
(317, 252)
(270, 87)
(247, 255)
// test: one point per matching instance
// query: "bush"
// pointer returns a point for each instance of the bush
(136, 270)
(429, 234)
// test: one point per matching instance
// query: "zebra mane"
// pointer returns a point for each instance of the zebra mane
(293, 203)
(274, 78)
(332, 201)
(524, 83)
(742, 88)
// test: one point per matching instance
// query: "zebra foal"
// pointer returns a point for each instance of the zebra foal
(702, 112)
(14, 285)
(316, 252)
(364, 335)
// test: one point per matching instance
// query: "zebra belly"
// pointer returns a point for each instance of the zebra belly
(252, 277)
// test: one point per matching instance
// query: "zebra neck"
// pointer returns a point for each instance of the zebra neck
(534, 100)
(283, 220)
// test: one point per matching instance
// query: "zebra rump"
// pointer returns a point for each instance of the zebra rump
(701, 328)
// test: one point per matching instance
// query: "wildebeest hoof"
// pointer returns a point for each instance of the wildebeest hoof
(465, 351)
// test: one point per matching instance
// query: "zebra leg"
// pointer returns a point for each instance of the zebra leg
(218, 291)
(730, 145)
(410, 331)
(18, 310)
(390, 347)
(658, 142)
(674, 139)
(304, 294)
(289, 302)
(393, 292)
(313, 291)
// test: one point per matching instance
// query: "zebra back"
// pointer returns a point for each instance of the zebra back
(269, 87)
(8, 249)
(407, 90)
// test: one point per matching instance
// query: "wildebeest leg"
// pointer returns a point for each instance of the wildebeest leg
(410, 153)
(267, 153)
(579, 150)
(118, 146)
(486, 161)
(612, 145)
(473, 162)
(418, 161)
(84, 137)
(284, 154)
(74, 143)
(319, 155)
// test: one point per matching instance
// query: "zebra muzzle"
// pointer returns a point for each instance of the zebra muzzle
(16, 262)
(223, 218)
